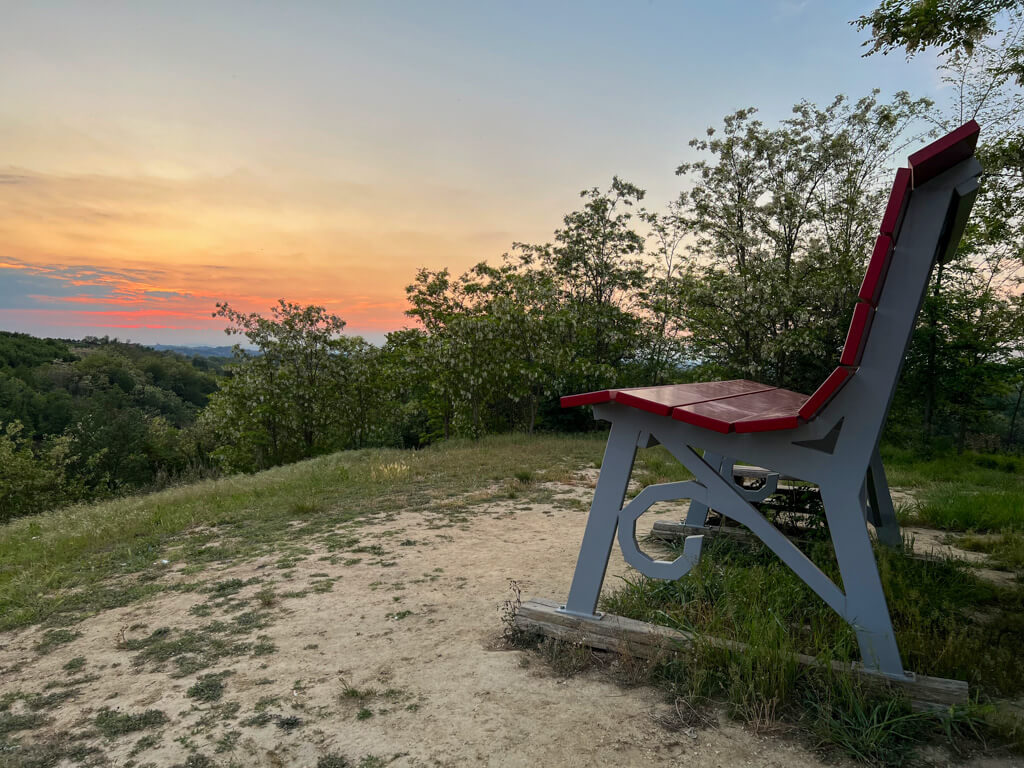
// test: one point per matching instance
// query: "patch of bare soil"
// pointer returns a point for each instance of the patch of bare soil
(396, 659)
(933, 543)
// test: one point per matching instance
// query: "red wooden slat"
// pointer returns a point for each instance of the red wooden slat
(700, 420)
(943, 154)
(768, 423)
(592, 398)
(829, 388)
(587, 398)
(756, 412)
(661, 400)
(897, 205)
(857, 336)
(874, 278)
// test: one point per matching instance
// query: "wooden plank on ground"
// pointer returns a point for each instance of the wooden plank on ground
(651, 641)
(666, 530)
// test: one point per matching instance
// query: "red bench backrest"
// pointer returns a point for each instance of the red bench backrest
(925, 165)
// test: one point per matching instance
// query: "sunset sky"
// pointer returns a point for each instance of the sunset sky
(158, 157)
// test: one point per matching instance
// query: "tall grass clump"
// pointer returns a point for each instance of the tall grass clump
(961, 492)
(954, 508)
(948, 623)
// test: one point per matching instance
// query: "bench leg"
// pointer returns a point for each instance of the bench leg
(883, 514)
(599, 535)
(697, 516)
(866, 609)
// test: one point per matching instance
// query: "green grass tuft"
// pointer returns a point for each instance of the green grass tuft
(208, 687)
(74, 665)
(54, 638)
(1006, 550)
(9, 723)
(113, 724)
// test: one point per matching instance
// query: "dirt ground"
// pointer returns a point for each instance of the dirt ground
(423, 635)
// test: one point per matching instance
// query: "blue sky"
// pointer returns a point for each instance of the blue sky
(168, 155)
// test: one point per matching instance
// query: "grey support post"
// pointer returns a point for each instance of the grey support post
(612, 483)
(883, 514)
(697, 514)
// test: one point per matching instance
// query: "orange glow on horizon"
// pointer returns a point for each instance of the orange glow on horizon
(99, 252)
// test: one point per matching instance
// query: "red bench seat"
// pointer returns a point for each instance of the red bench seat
(738, 405)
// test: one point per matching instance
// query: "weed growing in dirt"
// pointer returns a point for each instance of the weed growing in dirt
(148, 741)
(566, 658)
(54, 638)
(266, 702)
(511, 634)
(258, 720)
(209, 688)
(190, 650)
(242, 624)
(9, 723)
(289, 722)
(351, 692)
(227, 742)
(49, 751)
(72, 682)
(263, 646)
(266, 596)
(74, 665)
(37, 702)
(1006, 550)
(879, 729)
(226, 588)
(113, 724)
(196, 760)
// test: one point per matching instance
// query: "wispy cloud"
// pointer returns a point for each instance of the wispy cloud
(123, 248)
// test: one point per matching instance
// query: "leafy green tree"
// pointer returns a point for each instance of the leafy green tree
(495, 343)
(961, 362)
(293, 398)
(596, 264)
(530, 327)
(661, 295)
(953, 26)
(783, 219)
(31, 483)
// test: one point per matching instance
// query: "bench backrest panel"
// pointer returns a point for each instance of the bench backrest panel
(925, 165)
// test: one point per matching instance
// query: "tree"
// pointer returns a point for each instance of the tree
(493, 343)
(662, 294)
(293, 398)
(953, 26)
(596, 264)
(963, 352)
(783, 219)
(31, 483)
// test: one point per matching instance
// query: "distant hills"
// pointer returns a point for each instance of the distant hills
(193, 351)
